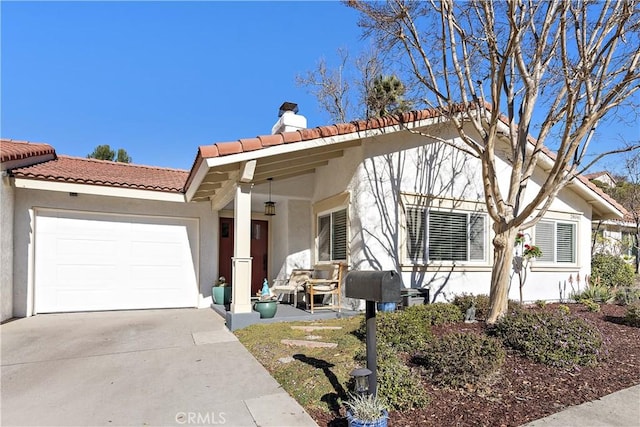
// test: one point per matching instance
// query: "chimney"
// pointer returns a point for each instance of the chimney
(289, 119)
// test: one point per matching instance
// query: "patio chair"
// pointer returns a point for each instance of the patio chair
(326, 280)
(295, 284)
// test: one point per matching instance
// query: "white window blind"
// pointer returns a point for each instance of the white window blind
(445, 236)
(332, 236)
(557, 241)
(415, 231)
(339, 235)
(477, 237)
(565, 233)
(545, 240)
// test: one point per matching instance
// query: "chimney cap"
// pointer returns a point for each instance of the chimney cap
(288, 106)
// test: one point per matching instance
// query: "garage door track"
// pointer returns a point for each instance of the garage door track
(152, 367)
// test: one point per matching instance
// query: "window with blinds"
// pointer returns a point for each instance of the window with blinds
(557, 241)
(332, 236)
(445, 236)
(566, 237)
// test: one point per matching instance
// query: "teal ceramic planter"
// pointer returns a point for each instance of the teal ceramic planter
(221, 294)
(267, 309)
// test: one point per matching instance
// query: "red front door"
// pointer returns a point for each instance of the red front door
(259, 251)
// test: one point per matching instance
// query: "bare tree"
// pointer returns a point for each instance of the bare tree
(559, 66)
(330, 87)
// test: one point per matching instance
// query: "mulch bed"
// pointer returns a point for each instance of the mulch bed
(525, 391)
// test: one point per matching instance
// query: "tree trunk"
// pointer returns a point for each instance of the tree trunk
(503, 244)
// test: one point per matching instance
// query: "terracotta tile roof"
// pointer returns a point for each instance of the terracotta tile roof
(12, 151)
(221, 149)
(79, 170)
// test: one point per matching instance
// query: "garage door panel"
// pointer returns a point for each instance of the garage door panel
(85, 251)
(167, 277)
(92, 261)
(93, 276)
(157, 253)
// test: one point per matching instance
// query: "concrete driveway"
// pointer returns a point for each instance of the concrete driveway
(153, 367)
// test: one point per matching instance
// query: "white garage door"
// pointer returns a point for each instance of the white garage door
(88, 261)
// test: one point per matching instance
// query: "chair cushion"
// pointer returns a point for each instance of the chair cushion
(323, 288)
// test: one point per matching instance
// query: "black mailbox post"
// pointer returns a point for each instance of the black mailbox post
(373, 286)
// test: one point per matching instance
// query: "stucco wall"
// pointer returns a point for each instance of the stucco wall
(291, 238)
(6, 248)
(454, 179)
(27, 200)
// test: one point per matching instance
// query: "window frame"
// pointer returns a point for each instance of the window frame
(329, 205)
(331, 243)
(556, 246)
(425, 259)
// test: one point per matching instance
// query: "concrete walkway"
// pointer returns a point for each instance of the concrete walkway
(619, 409)
(154, 367)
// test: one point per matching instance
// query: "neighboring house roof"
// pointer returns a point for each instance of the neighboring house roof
(22, 153)
(79, 170)
(602, 176)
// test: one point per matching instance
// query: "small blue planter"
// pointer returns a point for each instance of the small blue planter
(380, 422)
(386, 306)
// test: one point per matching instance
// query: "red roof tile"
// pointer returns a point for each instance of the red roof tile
(265, 141)
(101, 172)
(18, 150)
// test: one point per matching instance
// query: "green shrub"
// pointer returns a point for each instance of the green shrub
(398, 330)
(397, 384)
(595, 292)
(627, 295)
(459, 359)
(591, 305)
(611, 271)
(541, 303)
(564, 309)
(632, 317)
(432, 314)
(551, 338)
(410, 328)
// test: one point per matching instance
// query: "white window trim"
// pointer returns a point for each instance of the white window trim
(540, 264)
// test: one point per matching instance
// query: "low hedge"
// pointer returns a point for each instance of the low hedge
(552, 338)
(460, 359)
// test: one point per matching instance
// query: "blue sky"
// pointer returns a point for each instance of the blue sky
(161, 78)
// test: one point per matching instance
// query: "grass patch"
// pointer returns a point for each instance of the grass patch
(315, 377)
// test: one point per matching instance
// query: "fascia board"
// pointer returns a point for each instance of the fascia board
(98, 190)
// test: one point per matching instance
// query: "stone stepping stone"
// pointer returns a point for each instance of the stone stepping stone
(316, 328)
(312, 337)
(309, 344)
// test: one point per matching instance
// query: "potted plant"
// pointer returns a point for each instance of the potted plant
(366, 410)
(221, 292)
(267, 306)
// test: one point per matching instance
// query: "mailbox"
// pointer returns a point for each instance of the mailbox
(378, 286)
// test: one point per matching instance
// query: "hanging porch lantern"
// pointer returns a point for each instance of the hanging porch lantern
(269, 206)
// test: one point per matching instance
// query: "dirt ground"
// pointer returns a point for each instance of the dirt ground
(524, 391)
